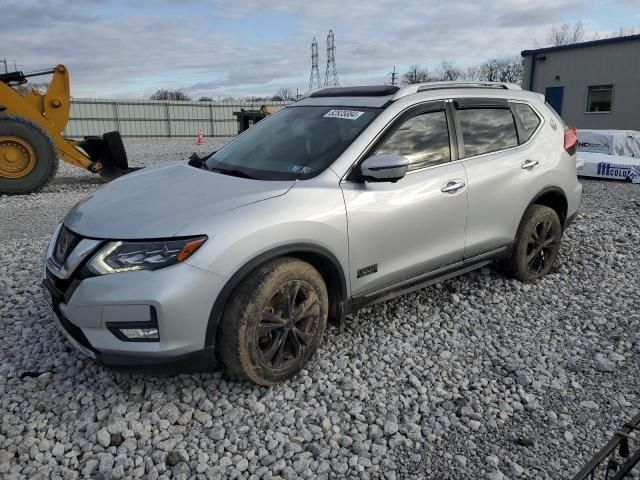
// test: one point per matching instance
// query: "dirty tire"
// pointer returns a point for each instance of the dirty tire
(257, 318)
(46, 164)
(536, 246)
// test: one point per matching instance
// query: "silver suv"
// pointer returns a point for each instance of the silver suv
(345, 198)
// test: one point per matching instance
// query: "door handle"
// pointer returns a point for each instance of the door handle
(452, 186)
(527, 164)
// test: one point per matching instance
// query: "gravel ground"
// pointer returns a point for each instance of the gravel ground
(522, 381)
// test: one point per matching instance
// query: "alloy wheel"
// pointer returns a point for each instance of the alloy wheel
(542, 244)
(287, 325)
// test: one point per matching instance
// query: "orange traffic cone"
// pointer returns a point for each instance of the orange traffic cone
(200, 137)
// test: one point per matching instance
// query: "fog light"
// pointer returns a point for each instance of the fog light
(140, 333)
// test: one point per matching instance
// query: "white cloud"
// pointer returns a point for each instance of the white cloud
(115, 50)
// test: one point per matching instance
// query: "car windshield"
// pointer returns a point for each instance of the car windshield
(295, 143)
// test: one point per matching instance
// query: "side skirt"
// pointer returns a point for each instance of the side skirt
(426, 279)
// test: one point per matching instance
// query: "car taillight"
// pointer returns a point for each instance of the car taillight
(571, 140)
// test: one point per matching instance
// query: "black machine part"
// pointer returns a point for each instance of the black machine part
(110, 152)
(19, 78)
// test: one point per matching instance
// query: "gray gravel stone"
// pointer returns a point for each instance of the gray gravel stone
(386, 397)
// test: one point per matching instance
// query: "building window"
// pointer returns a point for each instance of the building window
(600, 98)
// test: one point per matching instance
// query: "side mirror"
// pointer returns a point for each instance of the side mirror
(384, 168)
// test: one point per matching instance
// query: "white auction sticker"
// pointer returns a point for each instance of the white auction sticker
(346, 114)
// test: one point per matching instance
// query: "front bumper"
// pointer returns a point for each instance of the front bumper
(179, 299)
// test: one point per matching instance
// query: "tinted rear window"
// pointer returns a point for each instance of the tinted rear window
(529, 121)
(486, 130)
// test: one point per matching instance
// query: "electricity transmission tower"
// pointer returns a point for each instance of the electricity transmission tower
(331, 74)
(314, 81)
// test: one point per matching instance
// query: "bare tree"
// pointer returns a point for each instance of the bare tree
(447, 71)
(169, 95)
(623, 32)
(285, 94)
(489, 70)
(510, 69)
(471, 73)
(415, 75)
(36, 87)
(205, 99)
(565, 33)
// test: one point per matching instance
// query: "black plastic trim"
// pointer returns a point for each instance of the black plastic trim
(429, 277)
(473, 102)
(359, 91)
(115, 327)
(203, 360)
(546, 190)
(235, 280)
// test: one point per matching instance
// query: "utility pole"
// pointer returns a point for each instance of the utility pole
(394, 76)
(4, 60)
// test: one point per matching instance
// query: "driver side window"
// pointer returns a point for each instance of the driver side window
(423, 139)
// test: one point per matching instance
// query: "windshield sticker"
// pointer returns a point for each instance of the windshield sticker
(344, 114)
(299, 169)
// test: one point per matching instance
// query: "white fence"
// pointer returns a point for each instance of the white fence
(147, 118)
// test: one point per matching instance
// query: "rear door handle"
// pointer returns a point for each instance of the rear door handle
(527, 164)
(452, 186)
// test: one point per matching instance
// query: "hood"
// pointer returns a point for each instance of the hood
(158, 202)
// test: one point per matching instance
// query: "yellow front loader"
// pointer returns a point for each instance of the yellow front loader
(31, 140)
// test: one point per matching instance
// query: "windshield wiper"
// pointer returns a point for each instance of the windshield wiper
(232, 172)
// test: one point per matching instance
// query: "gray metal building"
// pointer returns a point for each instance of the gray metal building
(591, 84)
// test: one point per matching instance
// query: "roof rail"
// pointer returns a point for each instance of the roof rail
(425, 87)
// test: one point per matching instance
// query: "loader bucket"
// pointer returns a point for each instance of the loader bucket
(109, 152)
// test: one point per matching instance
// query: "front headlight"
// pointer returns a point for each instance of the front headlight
(144, 255)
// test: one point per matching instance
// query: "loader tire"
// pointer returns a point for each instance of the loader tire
(28, 156)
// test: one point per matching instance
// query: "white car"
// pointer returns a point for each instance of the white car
(613, 154)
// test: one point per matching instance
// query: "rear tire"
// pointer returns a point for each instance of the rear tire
(274, 322)
(536, 246)
(34, 141)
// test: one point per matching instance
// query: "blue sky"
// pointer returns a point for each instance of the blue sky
(249, 47)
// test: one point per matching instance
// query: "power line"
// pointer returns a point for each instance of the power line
(394, 76)
(331, 74)
(314, 81)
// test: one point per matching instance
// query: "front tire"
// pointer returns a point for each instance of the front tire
(274, 322)
(537, 244)
(28, 157)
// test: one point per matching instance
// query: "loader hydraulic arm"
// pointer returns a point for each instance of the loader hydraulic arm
(49, 110)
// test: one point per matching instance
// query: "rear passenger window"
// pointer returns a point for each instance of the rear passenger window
(423, 139)
(528, 119)
(486, 130)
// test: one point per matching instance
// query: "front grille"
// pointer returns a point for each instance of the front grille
(65, 243)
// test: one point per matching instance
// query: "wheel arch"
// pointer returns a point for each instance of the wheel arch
(554, 198)
(319, 257)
